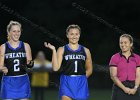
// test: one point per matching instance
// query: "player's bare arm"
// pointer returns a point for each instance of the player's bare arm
(30, 63)
(89, 65)
(28, 52)
(60, 52)
(56, 56)
(113, 74)
(2, 53)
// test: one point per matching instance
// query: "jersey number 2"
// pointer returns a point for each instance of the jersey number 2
(16, 64)
(76, 62)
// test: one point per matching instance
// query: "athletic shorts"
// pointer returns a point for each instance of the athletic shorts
(74, 86)
(15, 87)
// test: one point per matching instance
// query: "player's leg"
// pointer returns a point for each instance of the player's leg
(66, 98)
(7, 99)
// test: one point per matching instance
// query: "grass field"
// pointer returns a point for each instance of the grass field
(97, 94)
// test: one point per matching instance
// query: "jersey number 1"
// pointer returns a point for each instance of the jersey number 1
(16, 64)
(76, 62)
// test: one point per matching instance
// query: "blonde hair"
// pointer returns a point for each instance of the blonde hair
(8, 38)
(12, 23)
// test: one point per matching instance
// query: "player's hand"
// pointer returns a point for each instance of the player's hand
(30, 64)
(127, 90)
(48, 45)
(4, 70)
(133, 91)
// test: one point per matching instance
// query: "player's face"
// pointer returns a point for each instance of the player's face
(125, 44)
(15, 33)
(73, 35)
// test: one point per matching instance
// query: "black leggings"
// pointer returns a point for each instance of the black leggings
(119, 94)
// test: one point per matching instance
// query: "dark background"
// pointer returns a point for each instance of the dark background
(55, 15)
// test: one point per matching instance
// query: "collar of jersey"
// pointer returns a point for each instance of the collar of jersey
(79, 48)
(19, 46)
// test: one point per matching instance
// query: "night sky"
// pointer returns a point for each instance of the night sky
(47, 20)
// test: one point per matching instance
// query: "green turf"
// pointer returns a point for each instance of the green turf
(95, 94)
(100, 94)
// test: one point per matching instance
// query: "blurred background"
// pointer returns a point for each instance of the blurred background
(47, 20)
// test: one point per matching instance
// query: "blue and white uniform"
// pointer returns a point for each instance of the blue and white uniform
(15, 84)
(73, 80)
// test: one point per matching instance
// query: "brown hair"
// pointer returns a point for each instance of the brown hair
(72, 26)
(130, 39)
